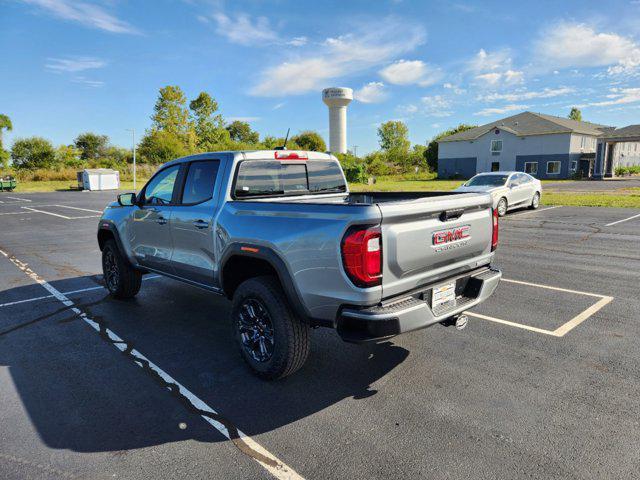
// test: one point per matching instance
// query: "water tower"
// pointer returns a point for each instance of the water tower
(337, 99)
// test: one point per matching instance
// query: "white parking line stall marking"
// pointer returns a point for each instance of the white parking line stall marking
(47, 213)
(623, 220)
(18, 198)
(516, 215)
(70, 292)
(549, 287)
(58, 215)
(563, 329)
(74, 208)
(244, 443)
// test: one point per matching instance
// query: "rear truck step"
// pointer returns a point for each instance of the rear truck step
(414, 311)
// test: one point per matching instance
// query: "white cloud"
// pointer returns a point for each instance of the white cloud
(372, 92)
(278, 106)
(491, 69)
(436, 106)
(501, 110)
(245, 31)
(485, 61)
(338, 57)
(618, 96)
(454, 88)
(567, 45)
(490, 78)
(88, 82)
(73, 64)
(523, 94)
(408, 109)
(84, 13)
(410, 72)
(298, 41)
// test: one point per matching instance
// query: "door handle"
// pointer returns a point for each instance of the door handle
(200, 224)
(161, 220)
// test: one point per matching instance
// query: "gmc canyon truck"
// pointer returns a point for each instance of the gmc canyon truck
(279, 233)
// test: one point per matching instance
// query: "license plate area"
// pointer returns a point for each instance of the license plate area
(443, 295)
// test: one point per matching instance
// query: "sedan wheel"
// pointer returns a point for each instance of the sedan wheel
(535, 201)
(502, 207)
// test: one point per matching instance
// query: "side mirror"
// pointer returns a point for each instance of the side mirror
(127, 199)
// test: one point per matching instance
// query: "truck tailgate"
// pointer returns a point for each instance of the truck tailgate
(428, 239)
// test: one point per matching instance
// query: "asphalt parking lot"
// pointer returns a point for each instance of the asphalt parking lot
(543, 383)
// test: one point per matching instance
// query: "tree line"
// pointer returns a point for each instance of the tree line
(178, 128)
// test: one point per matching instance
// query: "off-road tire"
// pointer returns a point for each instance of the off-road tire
(291, 342)
(123, 281)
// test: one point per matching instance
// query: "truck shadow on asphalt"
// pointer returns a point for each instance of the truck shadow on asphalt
(84, 395)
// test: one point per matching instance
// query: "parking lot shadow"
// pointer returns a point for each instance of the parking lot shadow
(82, 394)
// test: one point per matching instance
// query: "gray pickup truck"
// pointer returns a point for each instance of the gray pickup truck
(279, 233)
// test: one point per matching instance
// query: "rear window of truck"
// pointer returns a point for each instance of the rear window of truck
(263, 178)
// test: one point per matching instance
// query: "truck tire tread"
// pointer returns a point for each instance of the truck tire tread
(291, 356)
(130, 279)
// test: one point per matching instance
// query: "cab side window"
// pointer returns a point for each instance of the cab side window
(159, 190)
(201, 179)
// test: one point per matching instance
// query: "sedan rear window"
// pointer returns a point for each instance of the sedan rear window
(258, 178)
(487, 180)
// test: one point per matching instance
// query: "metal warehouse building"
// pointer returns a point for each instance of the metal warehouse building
(542, 145)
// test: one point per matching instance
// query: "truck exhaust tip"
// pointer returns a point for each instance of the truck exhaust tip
(461, 322)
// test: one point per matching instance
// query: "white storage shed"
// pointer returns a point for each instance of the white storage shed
(99, 179)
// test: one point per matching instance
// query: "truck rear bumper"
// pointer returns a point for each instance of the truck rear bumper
(413, 311)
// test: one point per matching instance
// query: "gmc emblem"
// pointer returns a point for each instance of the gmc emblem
(442, 238)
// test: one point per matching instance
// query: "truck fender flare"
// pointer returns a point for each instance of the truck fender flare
(111, 227)
(275, 261)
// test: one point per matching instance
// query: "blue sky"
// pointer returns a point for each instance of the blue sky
(74, 66)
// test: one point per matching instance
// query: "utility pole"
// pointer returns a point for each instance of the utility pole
(355, 150)
(133, 145)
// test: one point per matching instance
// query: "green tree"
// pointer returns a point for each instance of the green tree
(171, 115)
(575, 114)
(91, 145)
(393, 135)
(310, 140)
(5, 124)
(431, 152)
(209, 126)
(32, 153)
(69, 156)
(159, 146)
(240, 131)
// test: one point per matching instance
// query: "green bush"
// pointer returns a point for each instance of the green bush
(354, 168)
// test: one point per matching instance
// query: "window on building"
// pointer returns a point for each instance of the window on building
(495, 166)
(496, 146)
(574, 165)
(553, 168)
(583, 142)
(531, 168)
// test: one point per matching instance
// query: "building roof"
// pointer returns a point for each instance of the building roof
(530, 123)
(629, 131)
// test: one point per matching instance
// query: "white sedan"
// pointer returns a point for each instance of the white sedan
(509, 189)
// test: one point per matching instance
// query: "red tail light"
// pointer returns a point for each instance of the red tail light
(494, 237)
(287, 155)
(362, 256)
